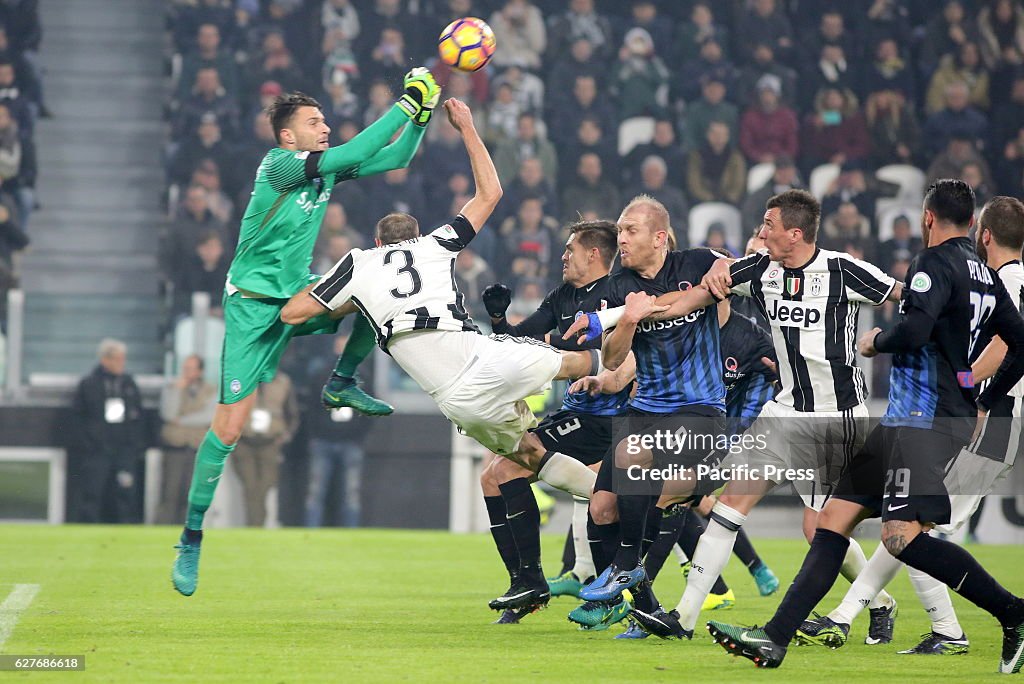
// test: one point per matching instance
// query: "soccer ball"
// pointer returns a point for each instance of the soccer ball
(466, 44)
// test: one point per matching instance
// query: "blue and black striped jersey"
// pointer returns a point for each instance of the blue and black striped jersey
(748, 382)
(678, 361)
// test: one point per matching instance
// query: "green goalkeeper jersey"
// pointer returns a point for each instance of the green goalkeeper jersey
(289, 199)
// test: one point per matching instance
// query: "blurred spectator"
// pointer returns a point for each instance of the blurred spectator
(207, 176)
(529, 241)
(711, 60)
(27, 76)
(1010, 165)
(976, 175)
(10, 146)
(186, 407)
(945, 33)
(336, 452)
(964, 66)
(640, 79)
(445, 156)
(384, 14)
(835, 132)
(14, 98)
(395, 190)
(274, 62)
(702, 24)
(334, 246)
(854, 185)
(764, 64)
(529, 182)
(562, 78)
(1009, 116)
(591, 191)
(831, 70)
(715, 239)
(892, 127)
(765, 18)
(589, 138)
(957, 118)
(250, 152)
(653, 182)
(1001, 33)
(785, 177)
(109, 442)
(13, 239)
(586, 103)
(295, 20)
(189, 17)
(519, 30)
(340, 20)
(339, 102)
(529, 142)
(888, 71)
(902, 242)
(831, 30)
(473, 274)
(527, 89)
(664, 146)
(712, 106)
(388, 61)
(274, 420)
(205, 270)
(960, 151)
(644, 14)
(207, 143)
(887, 19)
(194, 220)
(340, 65)
(379, 101)
(207, 53)
(501, 115)
(845, 226)
(208, 97)
(768, 128)
(580, 21)
(716, 171)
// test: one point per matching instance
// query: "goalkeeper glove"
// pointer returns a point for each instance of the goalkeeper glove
(421, 96)
(497, 299)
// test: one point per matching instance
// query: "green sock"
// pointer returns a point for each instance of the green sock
(360, 344)
(205, 476)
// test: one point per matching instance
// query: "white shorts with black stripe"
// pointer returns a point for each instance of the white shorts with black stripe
(486, 399)
(819, 444)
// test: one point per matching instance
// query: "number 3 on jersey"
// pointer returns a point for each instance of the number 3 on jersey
(408, 269)
(982, 307)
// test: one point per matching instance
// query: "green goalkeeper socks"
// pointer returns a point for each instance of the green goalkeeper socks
(360, 344)
(205, 475)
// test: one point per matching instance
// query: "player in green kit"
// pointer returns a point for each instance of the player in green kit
(275, 248)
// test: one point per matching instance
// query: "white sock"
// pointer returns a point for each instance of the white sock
(681, 555)
(868, 587)
(934, 597)
(569, 475)
(709, 559)
(584, 567)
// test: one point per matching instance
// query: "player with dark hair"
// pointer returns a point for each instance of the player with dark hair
(951, 298)
(275, 248)
(406, 289)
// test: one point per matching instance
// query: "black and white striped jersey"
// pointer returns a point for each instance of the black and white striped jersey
(404, 286)
(1012, 275)
(812, 311)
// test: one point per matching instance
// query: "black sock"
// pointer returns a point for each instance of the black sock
(954, 565)
(643, 596)
(594, 538)
(569, 554)
(192, 536)
(691, 527)
(744, 550)
(632, 523)
(502, 534)
(671, 522)
(609, 541)
(524, 521)
(652, 526)
(817, 575)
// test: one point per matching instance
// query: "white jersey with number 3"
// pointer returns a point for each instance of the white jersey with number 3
(404, 286)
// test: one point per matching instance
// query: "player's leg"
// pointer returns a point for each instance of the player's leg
(341, 388)
(690, 533)
(947, 636)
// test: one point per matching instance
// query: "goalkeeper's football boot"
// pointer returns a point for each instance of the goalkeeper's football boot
(1013, 649)
(719, 601)
(340, 391)
(599, 615)
(883, 621)
(934, 643)
(524, 593)
(823, 631)
(566, 584)
(185, 573)
(661, 624)
(767, 582)
(612, 582)
(633, 631)
(751, 643)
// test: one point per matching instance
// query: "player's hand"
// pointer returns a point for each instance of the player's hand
(497, 298)
(770, 365)
(717, 280)
(590, 384)
(866, 344)
(421, 95)
(640, 305)
(459, 114)
(587, 325)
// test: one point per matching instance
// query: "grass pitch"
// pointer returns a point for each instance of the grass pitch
(373, 605)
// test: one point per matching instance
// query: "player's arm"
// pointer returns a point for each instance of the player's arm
(617, 343)
(485, 178)
(867, 283)
(930, 288)
(607, 381)
(1007, 323)
(988, 362)
(498, 297)
(331, 293)
(397, 155)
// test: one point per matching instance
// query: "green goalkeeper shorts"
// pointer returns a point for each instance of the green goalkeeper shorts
(254, 340)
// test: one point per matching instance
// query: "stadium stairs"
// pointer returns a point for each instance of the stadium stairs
(91, 270)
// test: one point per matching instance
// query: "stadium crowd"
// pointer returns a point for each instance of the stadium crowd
(21, 104)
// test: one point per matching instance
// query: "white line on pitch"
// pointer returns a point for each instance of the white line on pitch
(12, 608)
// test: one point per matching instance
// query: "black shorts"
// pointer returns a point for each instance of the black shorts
(582, 436)
(698, 419)
(899, 474)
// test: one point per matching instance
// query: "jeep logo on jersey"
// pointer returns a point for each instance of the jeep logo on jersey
(794, 314)
(792, 285)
